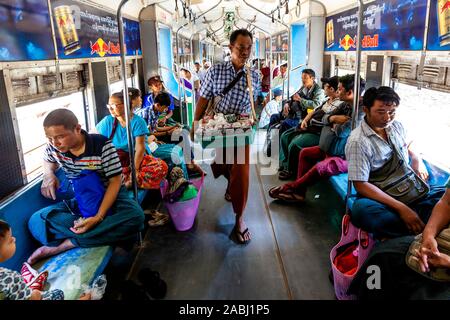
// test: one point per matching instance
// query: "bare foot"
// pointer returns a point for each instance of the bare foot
(41, 253)
(44, 251)
(85, 296)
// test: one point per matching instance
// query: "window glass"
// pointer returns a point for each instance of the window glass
(32, 136)
(118, 86)
(425, 114)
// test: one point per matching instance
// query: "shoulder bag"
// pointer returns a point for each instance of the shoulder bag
(398, 179)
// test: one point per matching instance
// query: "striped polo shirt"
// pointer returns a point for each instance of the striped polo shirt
(99, 154)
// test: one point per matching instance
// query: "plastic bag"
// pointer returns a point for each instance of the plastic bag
(97, 289)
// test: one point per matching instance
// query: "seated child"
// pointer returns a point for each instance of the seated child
(12, 284)
(271, 108)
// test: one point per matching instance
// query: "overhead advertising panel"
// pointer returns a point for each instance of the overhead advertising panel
(83, 31)
(25, 32)
(387, 25)
(439, 26)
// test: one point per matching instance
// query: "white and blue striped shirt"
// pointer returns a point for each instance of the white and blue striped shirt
(100, 155)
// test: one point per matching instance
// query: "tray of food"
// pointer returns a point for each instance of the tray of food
(227, 131)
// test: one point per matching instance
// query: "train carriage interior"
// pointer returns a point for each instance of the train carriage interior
(80, 55)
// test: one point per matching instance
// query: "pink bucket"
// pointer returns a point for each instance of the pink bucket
(183, 213)
(365, 244)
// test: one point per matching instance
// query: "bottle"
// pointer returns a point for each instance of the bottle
(67, 32)
(443, 13)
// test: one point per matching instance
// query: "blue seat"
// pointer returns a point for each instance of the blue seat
(438, 177)
(69, 270)
(340, 182)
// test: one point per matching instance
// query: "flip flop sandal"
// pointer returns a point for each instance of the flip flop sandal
(284, 175)
(155, 214)
(39, 282)
(290, 197)
(28, 273)
(236, 233)
(275, 191)
(162, 220)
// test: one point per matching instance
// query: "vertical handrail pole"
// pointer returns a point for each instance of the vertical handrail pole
(356, 88)
(289, 37)
(126, 98)
(126, 101)
(177, 55)
(423, 54)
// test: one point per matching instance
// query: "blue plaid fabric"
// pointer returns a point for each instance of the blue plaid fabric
(150, 116)
(366, 151)
(237, 99)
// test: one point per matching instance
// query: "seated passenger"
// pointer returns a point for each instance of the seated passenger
(114, 128)
(328, 158)
(377, 145)
(59, 227)
(265, 81)
(155, 84)
(12, 284)
(398, 280)
(280, 76)
(193, 79)
(154, 117)
(310, 96)
(307, 133)
(161, 133)
(171, 153)
(271, 108)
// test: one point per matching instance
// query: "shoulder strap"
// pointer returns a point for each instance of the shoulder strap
(232, 83)
(114, 128)
(250, 91)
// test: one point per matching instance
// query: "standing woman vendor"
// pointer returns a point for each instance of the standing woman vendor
(236, 101)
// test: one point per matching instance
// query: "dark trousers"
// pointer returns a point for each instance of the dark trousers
(384, 222)
(275, 118)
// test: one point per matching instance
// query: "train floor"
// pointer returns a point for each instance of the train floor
(287, 258)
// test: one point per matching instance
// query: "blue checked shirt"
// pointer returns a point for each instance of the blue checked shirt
(237, 99)
(366, 151)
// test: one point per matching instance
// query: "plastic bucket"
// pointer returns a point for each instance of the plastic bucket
(365, 244)
(183, 213)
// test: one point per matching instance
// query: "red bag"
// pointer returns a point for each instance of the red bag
(347, 261)
(151, 173)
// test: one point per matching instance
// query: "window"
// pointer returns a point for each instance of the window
(426, 116)
(342, 72)
(118, 86)
(32, 136)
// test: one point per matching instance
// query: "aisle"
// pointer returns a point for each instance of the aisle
(286, 259)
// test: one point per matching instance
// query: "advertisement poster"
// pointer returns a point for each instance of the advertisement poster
(174, 44)
(284, 42)
(83, 31)
(274, 43)
(186, 45)
(387, 25)
(256, 47)
(25, 32)
(267, 44)
(439, 26)
(203, 50)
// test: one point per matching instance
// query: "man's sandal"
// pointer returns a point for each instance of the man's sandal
(237, 235)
